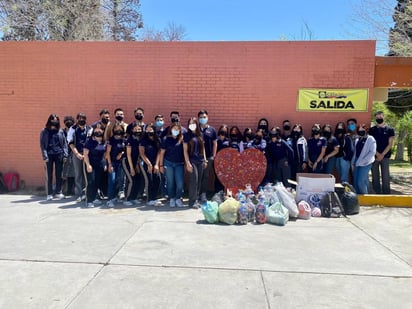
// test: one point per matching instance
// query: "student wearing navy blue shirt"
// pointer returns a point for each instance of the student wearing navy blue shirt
(222, 143)
(68, 168)
(131, 166)
(384, 136)
(172, 164)
(236, 138)
(300, 150)
(316, 150)
(332, 149)
(115, 151)
(280, 155)
(54, 151)
(95, 164)
(195, 159)
(76, 137)
(210, 140)
(149, 150)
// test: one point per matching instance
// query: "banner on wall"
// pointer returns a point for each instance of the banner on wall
(333, 100)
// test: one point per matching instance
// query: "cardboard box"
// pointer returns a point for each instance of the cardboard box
(312, 187)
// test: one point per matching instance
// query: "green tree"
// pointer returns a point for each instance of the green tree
(400, 35)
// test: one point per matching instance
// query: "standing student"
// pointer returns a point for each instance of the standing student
(68, 168)
(149, 150)
(345, 154)
(384, 136)
(195, 159)
(171, 163)
(286, 134)
(365, 150)
(131, 166)
(76, 137)
(316, 150)
(209, 136)
(263, 124)
(139, 116)
(54, 151)
(299, 145)
(332, 149)
(95, 164)
(235, 137)
(115, 151)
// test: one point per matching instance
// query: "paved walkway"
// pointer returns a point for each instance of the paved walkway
(57, 255)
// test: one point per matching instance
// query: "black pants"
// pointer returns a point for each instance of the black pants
(54, 162)
(93, 182)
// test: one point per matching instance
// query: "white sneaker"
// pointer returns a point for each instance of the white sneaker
(179, 203)
(59, 196)
(121, 195)
(196, 205)
(49, 197)
(110, 204)
(79, 199)
(127, 203)
(90, 205)
(158, 203)
(97, 202)
(151, 203)
(172, 202)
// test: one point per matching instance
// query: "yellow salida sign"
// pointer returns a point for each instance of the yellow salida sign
(333, 100)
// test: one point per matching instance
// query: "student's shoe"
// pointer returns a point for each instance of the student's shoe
(179, 203)
(137, 202)
(151, 203)
(110, 204)
(59, 196)
(127, 203)
(97, 202)
(172, 202)
(121, 195)
(203, 197)
(196, 205)
(90, 205)
(79, 199)
(49, 197)
(158, 203)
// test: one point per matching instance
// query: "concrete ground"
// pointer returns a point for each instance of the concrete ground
(58, 255)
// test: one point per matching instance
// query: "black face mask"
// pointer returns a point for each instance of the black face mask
(118, 133)
(54, 123)
(119, 118)
(249, 135)
(286, 128)
(362, 133)
(138, 117)
(258, 138)
(81, 122)
(105, 120)
(340, 131)
(327, 134)
(137, 134)
(262, 127)
(150, 134)
(379, 120)
(222, 133)
(315, 132)
(175, 120)
(233, 137)
(98, 134)
(68, 124)
(296, 134)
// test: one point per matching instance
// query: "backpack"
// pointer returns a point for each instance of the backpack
(331, 206)
(12, 181)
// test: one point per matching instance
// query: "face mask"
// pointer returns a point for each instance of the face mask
(340, 131)
(202, 121)
(137, 134)
(118, 133)
(272, 135)
(352, 127)
(68, 124)
(249, 135)
(379, 120)
(138, 117)
(296, 134)
(81, 122)
(315, 132)
(175, 120)
(258, 138)
(286, 128)
(98, 134)
(150, 134)
(327, 134)
(361, 133)
(175, 132)
(222, 133)
(119, 118)
(233, 136)
(192, 127)
(159, 123)
(54, 123)
(262, 127)
(105, 120)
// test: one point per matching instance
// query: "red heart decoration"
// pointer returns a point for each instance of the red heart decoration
(235, 169)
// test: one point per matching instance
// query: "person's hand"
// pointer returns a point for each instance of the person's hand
(89, 168)
(189, 167)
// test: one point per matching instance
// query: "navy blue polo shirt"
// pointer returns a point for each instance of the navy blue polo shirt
(133, 143)
(118, 145)
(315, 147)
(222, 144)
(151, 149)
(331, 144)
(382, 135)
(193, 142)
(173, 150)
(96, 152)
(80, 137)
(279, 150)
(209, 136)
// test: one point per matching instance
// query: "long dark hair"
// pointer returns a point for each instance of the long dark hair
(198, 134)
(156, 138)
(50, 119)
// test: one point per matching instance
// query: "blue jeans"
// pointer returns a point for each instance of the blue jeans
(343, 167)
(174, 178)
(115, 179)
(383, 174)
(330, 165)
(361, 178)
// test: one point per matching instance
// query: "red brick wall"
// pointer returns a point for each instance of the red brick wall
(237, 82)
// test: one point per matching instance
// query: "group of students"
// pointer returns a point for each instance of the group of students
(123, 161)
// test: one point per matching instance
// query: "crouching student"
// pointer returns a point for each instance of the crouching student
(95, 165)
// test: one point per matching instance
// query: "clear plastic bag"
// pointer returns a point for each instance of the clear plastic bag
(277, 214)
(210, 211)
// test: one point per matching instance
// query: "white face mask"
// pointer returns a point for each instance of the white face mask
(192, 127)
(175, 132)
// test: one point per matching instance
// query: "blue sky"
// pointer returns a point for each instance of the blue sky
(239, 20)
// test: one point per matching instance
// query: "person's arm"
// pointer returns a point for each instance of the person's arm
(381, 156)
(320, 157)
(189, 166)
(129, 160)
(89, 168)
(332, 154)
(109, 159)
(161, 160)
(214, 149)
